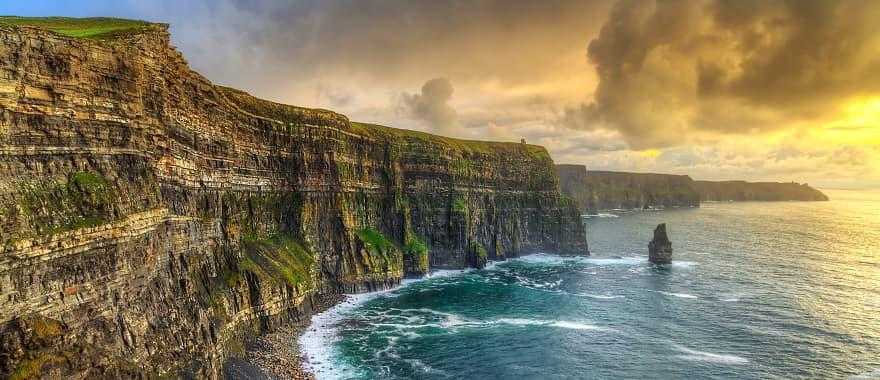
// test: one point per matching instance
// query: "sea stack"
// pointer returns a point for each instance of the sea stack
(660, 248)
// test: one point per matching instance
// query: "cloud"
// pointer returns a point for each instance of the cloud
(672, 69)
(432, 104)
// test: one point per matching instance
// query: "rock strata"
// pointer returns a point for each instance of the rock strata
(660, 248)
(152, 223)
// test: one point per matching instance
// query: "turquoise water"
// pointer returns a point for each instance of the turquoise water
(757, 291)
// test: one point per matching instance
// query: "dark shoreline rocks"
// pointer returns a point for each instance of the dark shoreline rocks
(660, 248)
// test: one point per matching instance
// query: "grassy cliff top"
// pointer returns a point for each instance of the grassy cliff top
(293, 114)
(96, 28)
(477, 146)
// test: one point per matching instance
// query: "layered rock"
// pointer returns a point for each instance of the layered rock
(603, 190)
(724, 191)
(150, 221)
(660, 248)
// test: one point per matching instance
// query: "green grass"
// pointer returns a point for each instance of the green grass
(278, 257)
(479, 250)
(375, 241)
(33, 368)
(417, 250)
(97, 28)
(384, 254)
(90, 182)
(293, 115)
(459, 206)
(471, 146)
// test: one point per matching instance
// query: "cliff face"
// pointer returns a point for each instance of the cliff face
(757, 191)
(150, 220)
(602, 190)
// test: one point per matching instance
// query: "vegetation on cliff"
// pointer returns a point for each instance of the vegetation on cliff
(384, 255)
(50, 206)
(97, 28)
(278, 258)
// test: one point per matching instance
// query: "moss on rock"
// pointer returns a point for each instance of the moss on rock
(416, 256)
(279, 259)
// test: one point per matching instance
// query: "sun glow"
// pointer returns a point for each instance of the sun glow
(859, 123)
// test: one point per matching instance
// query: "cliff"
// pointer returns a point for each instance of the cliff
(757, 191)
(150, 221)
(602, 190)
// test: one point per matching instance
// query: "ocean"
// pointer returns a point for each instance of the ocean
(779, 290)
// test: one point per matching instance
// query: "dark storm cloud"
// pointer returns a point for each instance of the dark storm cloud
(275, 48)
(668, 68)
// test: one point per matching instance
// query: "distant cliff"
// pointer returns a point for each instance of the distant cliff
(602, 190)
(757, 191)
(151, 221)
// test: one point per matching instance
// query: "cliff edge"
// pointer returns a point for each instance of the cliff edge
(723, 191)
(604, 190)
(151, 221)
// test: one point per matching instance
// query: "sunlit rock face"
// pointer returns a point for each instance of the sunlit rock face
(151, 221)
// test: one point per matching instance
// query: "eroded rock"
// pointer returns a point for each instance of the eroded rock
(660, 248)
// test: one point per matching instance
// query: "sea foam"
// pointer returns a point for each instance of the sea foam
(317, 342)
(679, 295)
(694, 355)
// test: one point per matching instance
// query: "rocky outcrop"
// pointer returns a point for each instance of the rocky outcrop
(660, 248)
(602, 190)
(725, 191)
(150, 221)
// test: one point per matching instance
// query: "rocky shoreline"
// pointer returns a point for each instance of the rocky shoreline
(277, 355)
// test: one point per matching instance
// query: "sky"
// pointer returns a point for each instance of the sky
(744, 89)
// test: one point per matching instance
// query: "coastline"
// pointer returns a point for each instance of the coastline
(277, 355)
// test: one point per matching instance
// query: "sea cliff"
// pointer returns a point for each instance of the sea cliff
(151, 221)
(603, 190)
(723, 191)
(593, 191)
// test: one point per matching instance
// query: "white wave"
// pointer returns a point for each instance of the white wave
(871, 375)
(317, 342)
(420, 366)
(519, 321)
(540, 322)
(683, 264)
(577, 326)
(619, 260)
(694, 355)
(598, 296)
(546, 258)
(731, 299)
(679, 295)
(601, 215)
(454, 322)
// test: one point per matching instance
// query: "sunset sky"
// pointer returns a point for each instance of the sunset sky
(757, 90)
